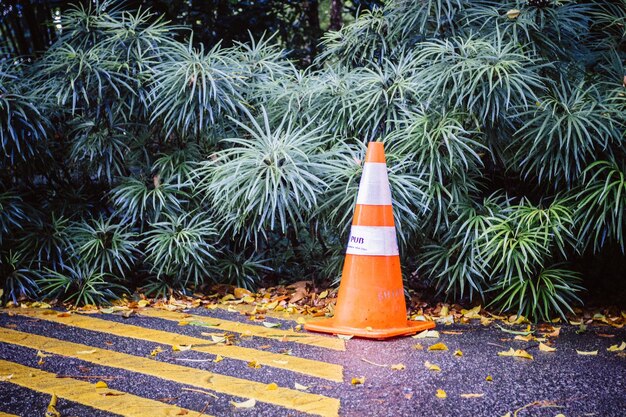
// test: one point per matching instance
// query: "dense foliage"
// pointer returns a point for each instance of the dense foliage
(129, 158)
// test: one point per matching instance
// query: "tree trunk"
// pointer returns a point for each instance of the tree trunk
(311, 11)
(336, 14)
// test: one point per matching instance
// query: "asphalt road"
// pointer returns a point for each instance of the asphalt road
(552, 383)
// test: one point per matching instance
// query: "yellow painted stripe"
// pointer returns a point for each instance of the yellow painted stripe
(84, 393)
(249, 329)
(7, 415)
(332, 372)
(284, 397)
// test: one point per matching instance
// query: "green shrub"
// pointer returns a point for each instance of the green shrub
(130, 157)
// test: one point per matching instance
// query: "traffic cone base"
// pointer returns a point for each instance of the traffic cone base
(329, 326)
(370, 301)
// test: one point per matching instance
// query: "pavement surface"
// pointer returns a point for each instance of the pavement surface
(203, 362)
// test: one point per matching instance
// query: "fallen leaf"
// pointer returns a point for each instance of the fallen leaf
(472, 395)
(51, 411)
(345, 336)
(240, 293)
(616, 348)
(438, 346)
(458, 352)
(300, 387)
(182, 412)
(181, 348)
(143, 303)
(519, 353)
(545, 348)
(471, 314)
(254, 364)
(454, 332)
(398, 367)
(272, 387)
(218, 339)
(526, 338)
(519, 332)
(587, 353)
(489, 378)
(101, 384)
(418, 346)
(358, 381)
(441, 394)
(427, 334)
(4, 378)
(301, 320)
(432, 366)
(272, 305)
(605, 335)
(323, 294)
(156, 351)
(513, 14)
(507, 414)
(64, 314)
(86, 352)
(183, 323)
(245, 404)
(270, 325)
(218, 359)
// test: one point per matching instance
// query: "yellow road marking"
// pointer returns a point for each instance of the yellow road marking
(84, 393)
(249, 329)
(284, 397)
(332, 372)
(7, 415)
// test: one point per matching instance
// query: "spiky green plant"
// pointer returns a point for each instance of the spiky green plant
(180, 250)
(80, 285)
(266, 180)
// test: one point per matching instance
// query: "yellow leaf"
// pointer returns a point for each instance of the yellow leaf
(270, 325)
(345, 336)
(358, 381)
(323, 294)
(519, 353)
(300, 387)
(240, 293)
(398, 367)
(471, 314)
(101, 384)
(472, 395)
(51, 411)
(301, 320)
(616, 348)
(418, 346)
(545, 348)
(156, 351)
(507, 414)
(427, 334)
(458, 352)
(444, 311)
(489, 378)
(181, 348)
(272, 387)
(432, 366)
(218, 339)
(227, 297)
(254, 364)
(42, 355)
(513, 14)
(438, 346)
(183, 323)
(441, 394)
(248, 299)
(4, 378)
(245, 404)
(526, 338)
(143, 303)
(589, 353)
(272, 305)
(218, 359)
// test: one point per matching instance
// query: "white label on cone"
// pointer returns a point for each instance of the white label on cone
(373, 240)
(374, 187)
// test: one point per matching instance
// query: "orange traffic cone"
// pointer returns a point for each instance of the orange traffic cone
(370, 302)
